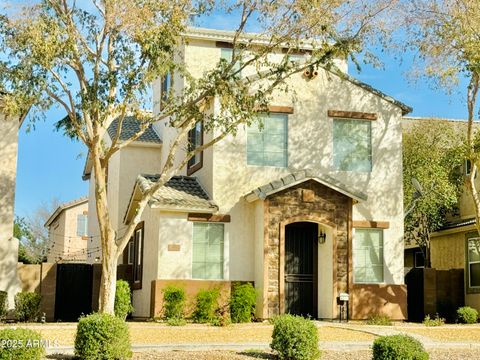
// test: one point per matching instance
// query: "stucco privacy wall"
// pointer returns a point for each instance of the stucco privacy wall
(8, 167)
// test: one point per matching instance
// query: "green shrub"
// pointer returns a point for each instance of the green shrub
(206, 305)
(395, 347)
(379, 319)
(123, 300)
(242, 303)
(295, 338)
(102, 336)
(437, 321)
(467, 315)
(173, 303)
(27, 306)
(222, 316)
(3, 304)
(21, 344)
(176, 321)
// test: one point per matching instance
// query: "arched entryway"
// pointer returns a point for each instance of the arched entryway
(301, 268)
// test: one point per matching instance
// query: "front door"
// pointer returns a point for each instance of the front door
(301, 241)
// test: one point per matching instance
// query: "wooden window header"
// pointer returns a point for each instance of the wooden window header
(208, 217)
(371, 224)
(280, 109)
(352, 115)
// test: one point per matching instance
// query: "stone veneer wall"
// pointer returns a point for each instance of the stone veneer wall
(318, 203)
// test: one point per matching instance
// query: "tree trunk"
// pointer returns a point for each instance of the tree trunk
(107, 237)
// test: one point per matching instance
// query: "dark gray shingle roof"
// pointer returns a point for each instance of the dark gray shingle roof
(130, 127)
(179, 192)
(457, 223)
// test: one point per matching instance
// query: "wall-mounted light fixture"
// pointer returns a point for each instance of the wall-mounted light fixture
(322, 236)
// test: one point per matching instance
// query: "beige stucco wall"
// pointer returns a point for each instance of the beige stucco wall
(227, 178)
(62, 234)
(123, 169)
(8, 167)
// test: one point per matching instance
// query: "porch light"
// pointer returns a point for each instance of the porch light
(322, 236)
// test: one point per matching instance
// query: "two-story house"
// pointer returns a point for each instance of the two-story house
(68, 232)
(307, 207)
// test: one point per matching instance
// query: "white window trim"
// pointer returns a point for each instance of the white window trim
(383, 257)
(226, 273)
(471, 262)
(371, 147)
(287, 152)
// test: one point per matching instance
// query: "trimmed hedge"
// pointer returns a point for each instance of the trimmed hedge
(295, 338)
(396, 347)
(21, 344)
(27, 306)
(102, 336)
(467, 315)
(3, 304)
(123, 300)
(206, 305)
(174, 304)
(242, 303)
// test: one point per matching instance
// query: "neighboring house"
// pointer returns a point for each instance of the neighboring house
(8, 169)
(68, 232)
(456, 245)
(307, 208)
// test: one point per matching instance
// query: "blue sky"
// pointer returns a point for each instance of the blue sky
(50, 165)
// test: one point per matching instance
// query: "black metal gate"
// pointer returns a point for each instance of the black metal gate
(301, 244)
(73, 295)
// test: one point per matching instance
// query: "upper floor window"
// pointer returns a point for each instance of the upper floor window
(368, 256)
(473, 263)
(165, 89)
(352, 145)
(268, 146)
(226, 54)
(82, 225)
(208, 256)
(195, 139)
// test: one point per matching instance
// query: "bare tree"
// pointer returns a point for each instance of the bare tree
(97, 59)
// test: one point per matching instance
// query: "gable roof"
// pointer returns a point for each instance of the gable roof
(65, 206)
(299, 177)
(180, 193)
(130, 127)
(226, 36)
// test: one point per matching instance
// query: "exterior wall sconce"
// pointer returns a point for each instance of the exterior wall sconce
(322, 236)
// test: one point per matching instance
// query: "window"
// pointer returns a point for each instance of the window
(268, 146)
(419, 260)
(226, 54)
(165, 89)
(352, 145)
(130, 253)
(133, 255)
(82, 225)
(207, 251)
(474, 262)
(195, 139)
(368, 256)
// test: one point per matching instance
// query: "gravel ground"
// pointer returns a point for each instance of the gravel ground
(206, 334)
(447, 334)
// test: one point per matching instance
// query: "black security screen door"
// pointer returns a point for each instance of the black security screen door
(301, 244)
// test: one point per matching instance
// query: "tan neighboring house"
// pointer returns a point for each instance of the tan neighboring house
(308, 208)
(8, 169)
(456, 245)
(68, 232)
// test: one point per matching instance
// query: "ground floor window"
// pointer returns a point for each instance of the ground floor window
(474, 262)
(133, 255)
(368, 256)
(208, 241)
